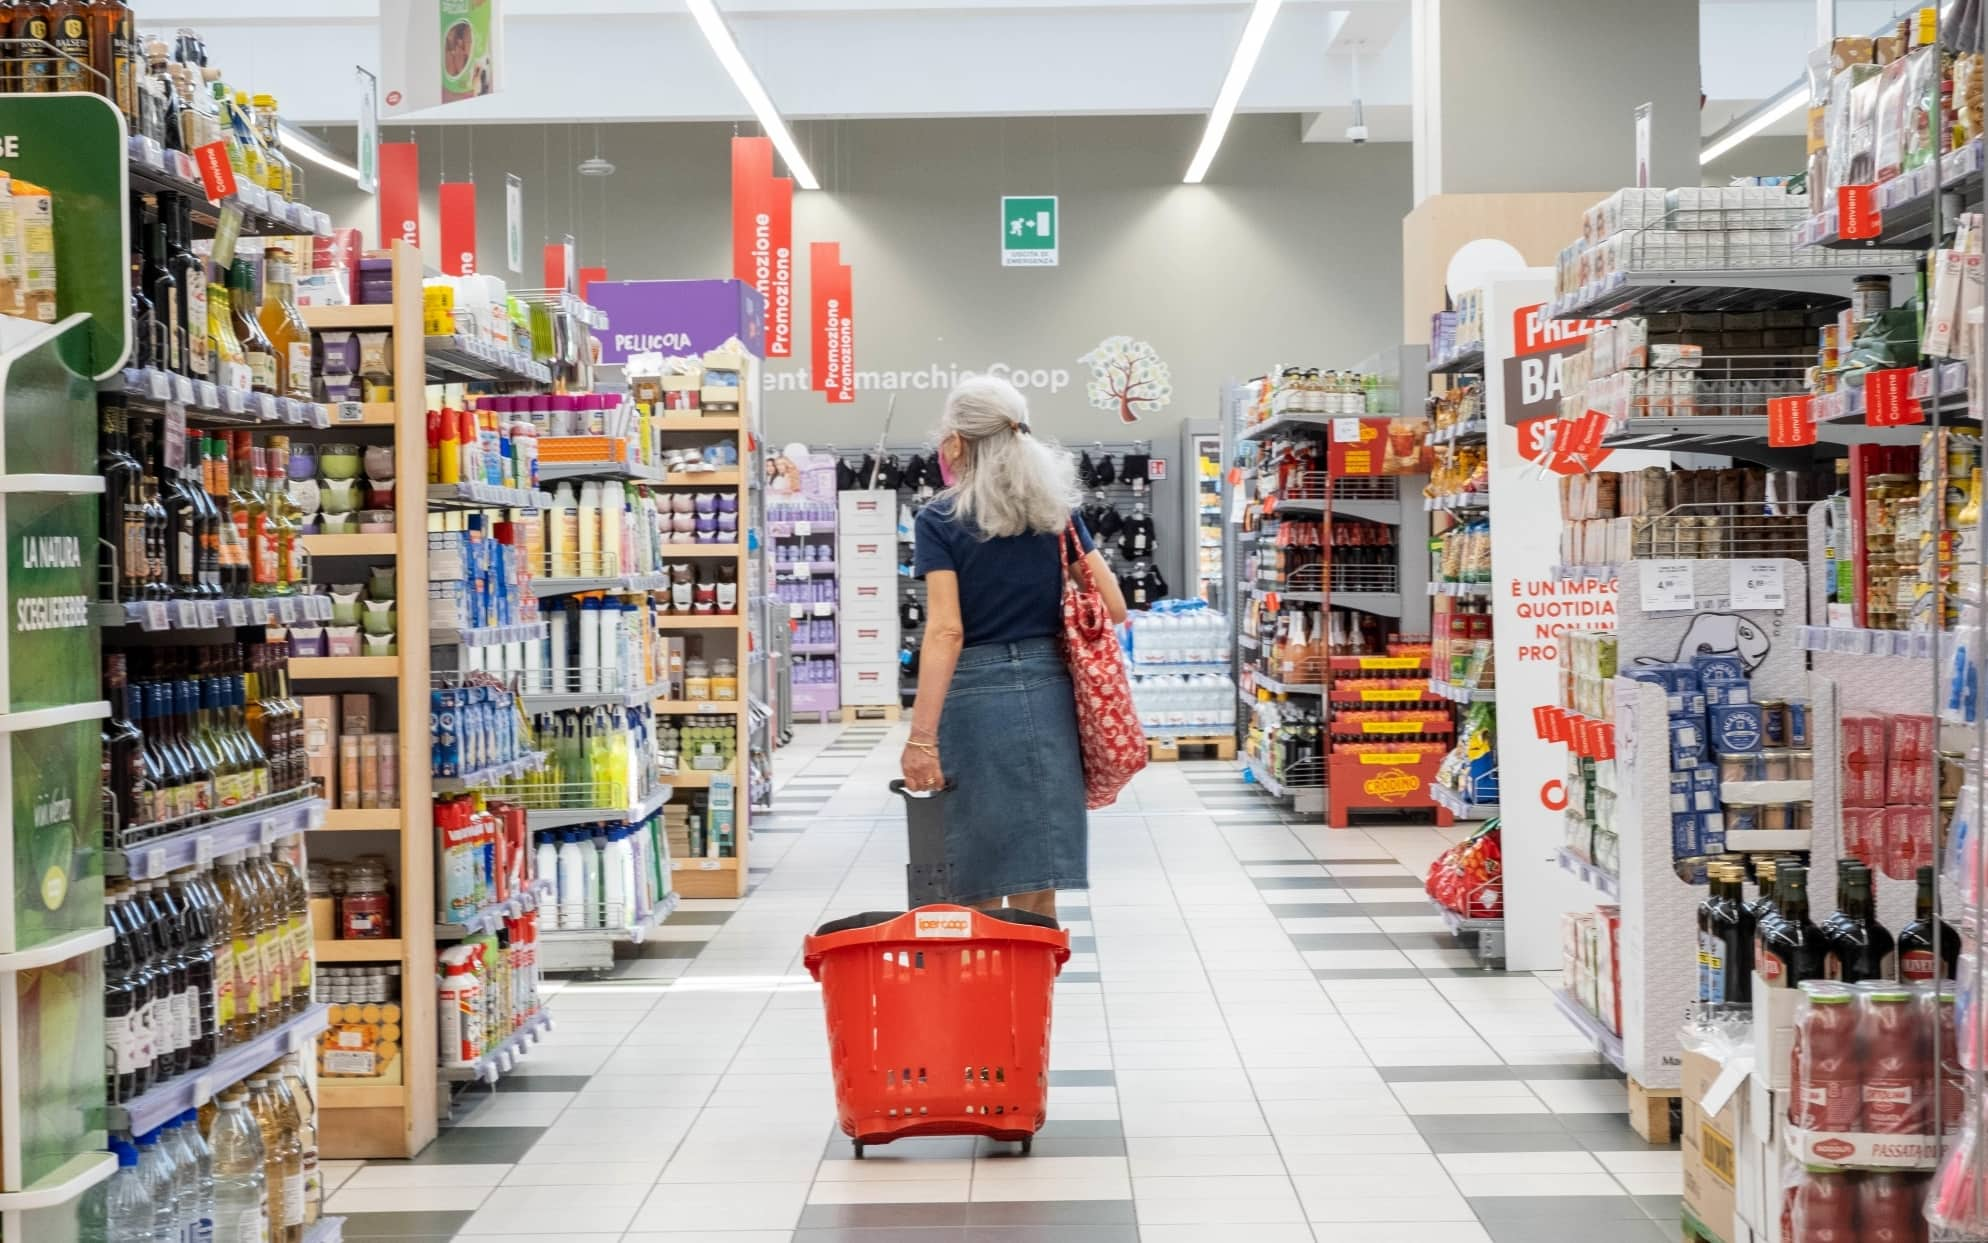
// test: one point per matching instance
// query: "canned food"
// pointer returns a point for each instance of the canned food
(1740, 766)
(1773, 722)
(1743, 817)
(1776, 765)
(1801, 765)
(1776, 817)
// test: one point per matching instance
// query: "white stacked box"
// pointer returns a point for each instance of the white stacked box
(867, 625)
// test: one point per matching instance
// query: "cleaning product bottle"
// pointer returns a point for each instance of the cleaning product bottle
(590, 860)
(556, 662)
(592, 564)
(590, 642)
(615, 894)
(546, 867)
(562, 530)
(452, 1006)
(614, 664)
(572, 882)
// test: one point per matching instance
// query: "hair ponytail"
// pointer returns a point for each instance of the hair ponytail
(1010, 481)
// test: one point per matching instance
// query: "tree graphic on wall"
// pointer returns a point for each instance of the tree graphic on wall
(1129, 377)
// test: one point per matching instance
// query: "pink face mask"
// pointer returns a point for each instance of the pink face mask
(946, 470)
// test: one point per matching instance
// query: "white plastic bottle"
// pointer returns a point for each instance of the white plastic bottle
(241, 1191)
(557, 665)
(127, 1206)
(562, 533)
(572, 882)
(547, 868)
(197, 1159)
(616, 870)
(590, 643)
(629, 876)
(454, 1001)
(590, 861)
(592, 564)
(613, 669)
(161, 1175)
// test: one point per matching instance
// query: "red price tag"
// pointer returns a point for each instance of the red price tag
(1790, 421)
(1604, 741)
(1582, 437)
(1270, 504)
(1271, 601)
(216, 174)
(1551, 722)
(1857, 214)
(1888, 399)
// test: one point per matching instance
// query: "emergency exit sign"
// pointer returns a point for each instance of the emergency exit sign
(1028, 231)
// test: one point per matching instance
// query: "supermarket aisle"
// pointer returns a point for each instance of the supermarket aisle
(1263, 1034)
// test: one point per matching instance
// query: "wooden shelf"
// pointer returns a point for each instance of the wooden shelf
(707, 621)
(681, 866)
(716, 479)
(338, 1094)
(703, 707)
(700, 550)
(371, 315)
(696, 778)
(359, 951)
(319, 668)
(364, 414)
(695, 423)
(361, 820)
(352, 545)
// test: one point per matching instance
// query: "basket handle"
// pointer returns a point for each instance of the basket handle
(897, 786)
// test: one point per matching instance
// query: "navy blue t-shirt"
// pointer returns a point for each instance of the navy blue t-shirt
(1010, 588)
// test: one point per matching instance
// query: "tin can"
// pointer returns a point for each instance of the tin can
(1741, 766)
(1743, 817)
(1776, 765)
(1773, 722)
(1776, 817)
(1801, 765)
(1798, 723)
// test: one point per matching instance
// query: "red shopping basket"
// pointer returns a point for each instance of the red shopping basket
(938, 1023)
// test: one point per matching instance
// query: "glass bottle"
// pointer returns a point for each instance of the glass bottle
(294, 934)
(169, 330)
(286, 518)
(123, 504)
(234, 552)
(120, 1002)
(184, 731)
(242, 1000)
(156, 586)
(69, 31)
(207, 551)
(303, 1105)
(230, 778)
(144, 321)
(190, 276)
(296, 764)
(226, 358)
(1861, 948)
(283, 324)
(238, 727)
(1735, 940)
(1927, 946)
(198, 917)
(31, 24)
(256, 349)
(253, 518)
(282, 173)
(1792, 950)
(123, 757)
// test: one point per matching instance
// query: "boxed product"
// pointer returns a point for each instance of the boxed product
(1707, 1139)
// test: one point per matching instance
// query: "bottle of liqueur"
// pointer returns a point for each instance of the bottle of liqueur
(1861, 948)
(123, 504)
(169, 329)
(1734, 940)
(1792, 950)
(123, 761)
(1927, 947)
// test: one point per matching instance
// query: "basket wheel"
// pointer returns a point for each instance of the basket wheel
(1028, 1145)
(857, 1145)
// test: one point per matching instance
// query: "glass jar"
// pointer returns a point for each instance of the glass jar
(365, 907)
(303, 461)
(339, 461)
(724, 679)
(696, 679)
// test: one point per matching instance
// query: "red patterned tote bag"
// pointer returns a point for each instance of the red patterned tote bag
(1114, 746)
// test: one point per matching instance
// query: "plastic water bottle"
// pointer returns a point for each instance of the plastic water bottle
(241, 1190)
(157, 1171)
(196, 1163)
(127, 1207)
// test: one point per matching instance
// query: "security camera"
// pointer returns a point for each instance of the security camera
(1356, 134)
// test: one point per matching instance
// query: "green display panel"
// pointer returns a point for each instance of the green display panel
(48, 404)
(60, 1011)
(55, 777)
(53, 650)
(74, 146)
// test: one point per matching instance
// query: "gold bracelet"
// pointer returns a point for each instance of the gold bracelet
(929, 748)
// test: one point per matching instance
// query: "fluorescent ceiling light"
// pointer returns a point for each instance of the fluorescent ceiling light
(299, 143)
(1789, 101)
(1244, 63)
(727, 52)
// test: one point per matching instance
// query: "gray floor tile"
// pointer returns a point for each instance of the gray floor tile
(1499, 1124)
(1446, 1074)
(1064, 1233)
(873, 1234)
(671, 949)
(1607, 1133)
(1083, 1078)
(925, 1147)
(1495, 1141)
(542, 1083)
(480, 1145)
(404, 1225)
(1596, 1211)
(1368, 973)
(1050, 1213)
(1342, 941)
(1079, 977)
(1554, 1230)
(1373, 909)
(1080, 1128)
(1300, 882)
(1379, 882)
(1083, 945)
(1058, 1146)
(862, 1217)
(1664, 1210)
(700, 918)
(1323, 910)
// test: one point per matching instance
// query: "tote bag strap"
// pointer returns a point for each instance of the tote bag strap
(1073, 550)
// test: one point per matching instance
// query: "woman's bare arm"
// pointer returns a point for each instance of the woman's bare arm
(945, 635)
(1114, 599)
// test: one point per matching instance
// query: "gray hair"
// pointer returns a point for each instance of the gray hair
(1009, 481)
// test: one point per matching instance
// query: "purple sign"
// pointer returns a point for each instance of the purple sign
(677, 317)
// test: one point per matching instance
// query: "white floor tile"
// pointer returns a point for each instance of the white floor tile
(390, 1177)
(719, 1206)
(406, 1199)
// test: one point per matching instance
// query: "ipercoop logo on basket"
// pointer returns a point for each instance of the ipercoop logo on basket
(945, 924)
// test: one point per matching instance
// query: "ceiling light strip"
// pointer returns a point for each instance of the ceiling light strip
(1240, 67)
(727, 51)
(296, 142)
(1788, 101)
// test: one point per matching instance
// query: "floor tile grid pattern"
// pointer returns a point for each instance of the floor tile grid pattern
(1263, 1033)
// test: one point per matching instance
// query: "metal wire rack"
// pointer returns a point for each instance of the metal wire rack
(1722, 531)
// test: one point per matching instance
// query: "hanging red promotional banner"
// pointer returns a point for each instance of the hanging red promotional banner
(763, 237)
(824, 260)
(1790, 421)
(216, 173)
(562, 266)
(1888, 399)
(779, 291)
(1581, 438)
(587, 277)
(752, 183)
(838, 333)
(1857, 214)
(400, 193)
(458, 219)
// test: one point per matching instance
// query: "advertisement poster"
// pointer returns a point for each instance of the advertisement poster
(458, 221)
(435, 52)
(52, 642)
(400, 192)
(677, 317)
(369, 132)
(1532, 607)
(1363, 448)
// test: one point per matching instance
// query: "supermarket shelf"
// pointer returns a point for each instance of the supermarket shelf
(1457, 501)
(1848, 405)
(175, 1096)
(1741, 435)
(1457, 805)
(491, 918)
(567, 817)
(1905, 205)
(196, 846)
(358, 951)
(1605, 1042)
(340, 1093)
(712, 550)
(1386, 603)
(814, 649)
(1263, 681)
(1288, 597)
(1467, 591)
(553, 701)
(699, 621)
(153, 170)
(1300, 505)
(1463, 694)
(326, 668)
(153, 615)
(1459, 923)
(361, 820)
(696, 423)
(455, 359)
(705, 707)
(592, 949)
(364, 315)
(150, 388)
(1652, 290)
(620, 584)
(65, 1184)
(638, 472)
(489, 636)
(1607, 882)
(364, 414)
(1154, 669)
(785, 528)
(1288, 422)
(696, 778)
(1246, 640)
(1469, 358)
(485, 495)
(386, 545)
(500, 1061)
(728, 864)
(1580, 573)
(721, 479)
(481, 777)
(1845, 641)
(332, 1229)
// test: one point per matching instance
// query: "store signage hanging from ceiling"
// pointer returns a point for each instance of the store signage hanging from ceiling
(1030, 229)
(458, 219)
(369, 132)
(834, 361)
(677, 317)
(400, 192)
(435, 52)
(514, 223)
(763, 237)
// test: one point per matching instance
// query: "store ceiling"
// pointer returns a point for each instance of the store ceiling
(643, 60)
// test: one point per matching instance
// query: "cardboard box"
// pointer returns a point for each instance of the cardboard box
(1773, 1032)
(355, 713)
(1707, 1141)
(321, 744)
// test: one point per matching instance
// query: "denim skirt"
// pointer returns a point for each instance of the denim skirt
(1015, 821)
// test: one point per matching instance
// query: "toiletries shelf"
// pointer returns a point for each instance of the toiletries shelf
(151, 1110)
(489, 636)
(621, 584)
(325, 668)
(553, 701)
(459, 359)
(206, 402)
(696, 778)
(481, 777)
(695, 423)
(633, 933)
(726, 707)
(213, 614)
(500, 1061)
(700, 550)
(701, 479)
(351, 545)
(196, 847)
(632, 472)
(567, 817)
(484, 496)
(491, 917)
(704, 865)
(703, 621)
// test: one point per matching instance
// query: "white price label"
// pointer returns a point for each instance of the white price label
(804, 528)
(824, 609)
(203, 1091)
(708, 865)
(159, 384)
(233, 400)
(1666, 587)
(1346, 431)
(797, 611)
(175, 434)
(707, 708)
(210, 614)
(238, 613)
(183, 389)
(155, 861)
(265, 406)
(1759, 585)
(154, 616)
(286, 608)
(207, 394)
(258, 611)
(203, 850)
(269, 831)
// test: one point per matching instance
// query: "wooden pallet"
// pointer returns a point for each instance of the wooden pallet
(851, 713)
(1650, 1112)
(1167, 750)
(817, 716)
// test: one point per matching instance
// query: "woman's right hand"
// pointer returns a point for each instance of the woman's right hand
(921, 767)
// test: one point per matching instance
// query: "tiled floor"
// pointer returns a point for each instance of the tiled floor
(1263, 1034)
